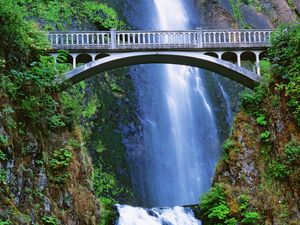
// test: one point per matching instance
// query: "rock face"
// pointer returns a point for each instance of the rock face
(32, 190)
(258, 14)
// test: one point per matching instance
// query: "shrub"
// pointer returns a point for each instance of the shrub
(284, 56)
(3, 140)
(5, 222)
(292, 152)
(228, 144)
(261, 120)
(2, 156)
(2, 176)
(264, 136)
(49, 220)
(250, 218)
(214, 208)
(278, 170)
(60, 159)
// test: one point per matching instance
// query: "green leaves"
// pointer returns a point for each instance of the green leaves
(104, 16)
(261, 120)
(285, 54)
(265, 136)
(20, 40)
(215, 210)
(213, 205)
(60, 159)
(49, 220)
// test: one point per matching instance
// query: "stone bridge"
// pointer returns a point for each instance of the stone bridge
(220, 51)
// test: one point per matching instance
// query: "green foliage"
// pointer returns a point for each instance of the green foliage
(5, 222)
(2, 176)
(57, 120)
(107, 189)
(49, 220)
(102, 15)
(292, 153)
(261, 120)
(59, 15)
(214, 208)
(35, 89)
(243, 202)
(228, 144)
(255, 3)
(250, 218)
(106, 186)
(285, 59)
(20, 39)
(278, 170)
(237, 13)
(265, 136)
(3, 140)
(60, 159)
(231, 221)
(2, 156)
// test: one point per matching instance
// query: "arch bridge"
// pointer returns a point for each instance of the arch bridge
(220, 51)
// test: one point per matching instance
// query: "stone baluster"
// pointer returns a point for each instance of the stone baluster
(93, 39)
(82, 39)
(118, 39)
(113, 38)
(125, 41)
(144, 38)
(87, 38)
(139, 39)
(72, 39)
(77, 39)
(154, 38)
(149, 39)
(133, 39)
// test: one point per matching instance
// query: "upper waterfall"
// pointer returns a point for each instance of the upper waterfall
(173, 160)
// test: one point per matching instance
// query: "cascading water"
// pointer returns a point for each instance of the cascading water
(175, 158)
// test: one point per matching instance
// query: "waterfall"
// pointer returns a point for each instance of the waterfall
(174, 160)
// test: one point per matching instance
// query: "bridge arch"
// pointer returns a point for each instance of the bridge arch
(230, 57)
(116, 60)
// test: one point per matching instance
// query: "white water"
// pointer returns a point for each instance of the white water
(227, 99)
(169, 216)
(174, 160)
(180, 137)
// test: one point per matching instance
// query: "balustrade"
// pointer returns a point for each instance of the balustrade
(160, 39)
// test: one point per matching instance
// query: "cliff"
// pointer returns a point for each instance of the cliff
(257, 179)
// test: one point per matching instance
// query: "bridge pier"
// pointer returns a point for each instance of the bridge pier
(74, 56)
(257, 64)
(238, 54)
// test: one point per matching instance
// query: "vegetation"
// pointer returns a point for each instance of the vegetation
(264, 146)
(215, 209)
(38, 119)
(60, 15)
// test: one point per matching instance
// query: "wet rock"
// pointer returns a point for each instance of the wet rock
(279, 126)
(42, 182)
(47, 204)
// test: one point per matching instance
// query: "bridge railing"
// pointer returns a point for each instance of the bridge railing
(199, 38)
